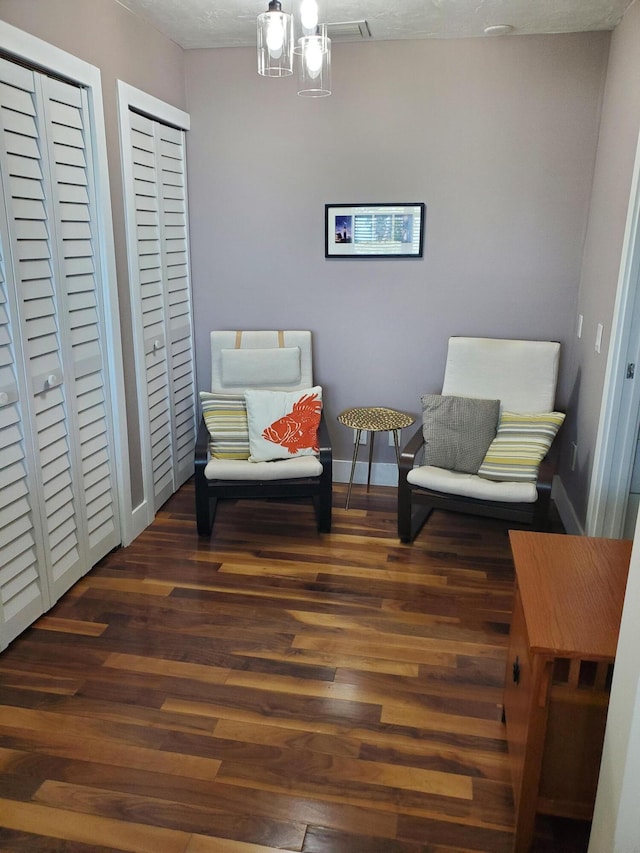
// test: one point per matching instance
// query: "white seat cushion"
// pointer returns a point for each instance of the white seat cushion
(471, 486)
(282, 469)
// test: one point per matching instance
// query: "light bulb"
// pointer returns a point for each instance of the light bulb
(275, 36)
(309, 15)
(313, 57)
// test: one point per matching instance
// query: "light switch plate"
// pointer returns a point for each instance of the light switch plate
(599, 331)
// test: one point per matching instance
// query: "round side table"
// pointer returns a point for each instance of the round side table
(372, 419)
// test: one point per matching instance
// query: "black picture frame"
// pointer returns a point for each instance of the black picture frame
(382, 230)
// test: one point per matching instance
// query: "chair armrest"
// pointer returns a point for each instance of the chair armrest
(411, 450)
(546, 473)
(549, 464)
(324, 439)
(202, 443)
(326, 460)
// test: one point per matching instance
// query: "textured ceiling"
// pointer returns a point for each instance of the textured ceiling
(232, 23)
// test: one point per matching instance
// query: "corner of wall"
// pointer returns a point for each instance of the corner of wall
(568, 515)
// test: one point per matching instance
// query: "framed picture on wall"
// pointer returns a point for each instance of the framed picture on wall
(374, 230)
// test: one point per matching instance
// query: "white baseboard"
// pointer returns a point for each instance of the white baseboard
(565, 509)
(382, 473)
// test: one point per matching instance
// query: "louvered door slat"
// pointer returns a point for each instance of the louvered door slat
(21, 165)
(12, 511)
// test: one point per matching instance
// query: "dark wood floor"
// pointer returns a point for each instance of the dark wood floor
(270, 689)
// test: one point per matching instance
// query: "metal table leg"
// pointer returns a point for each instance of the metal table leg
(397, 445)
(353, 466)
(372, 435)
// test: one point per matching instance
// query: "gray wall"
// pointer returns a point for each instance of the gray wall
(497, 136)
(602, 254)
(105, 34)
(616, 824)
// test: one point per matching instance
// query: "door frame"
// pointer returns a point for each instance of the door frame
(620, 410)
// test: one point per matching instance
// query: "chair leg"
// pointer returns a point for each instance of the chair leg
(418, 518)
(205, 515)
(322, 502)
(410, 520)
(205, 506)
(322, 507)
(541, 518)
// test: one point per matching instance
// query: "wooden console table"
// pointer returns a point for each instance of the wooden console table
(564, 633)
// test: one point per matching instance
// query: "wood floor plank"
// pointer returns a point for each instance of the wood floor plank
(200, 844)
(167, 814)
(71, 626)
(176, 669)
(270, 688)
(32, 731)
(124, 835)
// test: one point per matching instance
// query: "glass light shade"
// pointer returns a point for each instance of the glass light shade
(275, 42)
(308, 14)
(309, 17)
(315, 65)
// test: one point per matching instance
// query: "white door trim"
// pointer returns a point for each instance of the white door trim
(618, 425)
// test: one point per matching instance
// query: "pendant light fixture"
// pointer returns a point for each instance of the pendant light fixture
(313, 48)
(314, 70)
(275, 42)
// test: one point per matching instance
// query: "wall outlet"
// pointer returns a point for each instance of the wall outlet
(363, 436)
(574, 455)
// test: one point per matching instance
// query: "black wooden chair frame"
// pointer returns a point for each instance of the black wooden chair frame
(209, 492)
(416, 503)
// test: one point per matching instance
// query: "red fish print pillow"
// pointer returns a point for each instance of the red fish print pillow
(283, 424)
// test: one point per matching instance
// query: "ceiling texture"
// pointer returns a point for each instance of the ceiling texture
(232, 23)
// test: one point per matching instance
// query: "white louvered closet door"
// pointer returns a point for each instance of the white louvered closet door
(24, 590)
(82, 314)
(54, 330)
(164, 300)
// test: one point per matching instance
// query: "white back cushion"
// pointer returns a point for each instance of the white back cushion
(260, 362)
(521, 374)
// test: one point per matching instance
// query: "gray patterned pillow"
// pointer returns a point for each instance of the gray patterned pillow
(458, 431)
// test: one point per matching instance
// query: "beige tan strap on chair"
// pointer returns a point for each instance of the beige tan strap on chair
(280, 339)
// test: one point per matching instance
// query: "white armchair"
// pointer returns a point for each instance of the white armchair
(522, 376)
(249, 361)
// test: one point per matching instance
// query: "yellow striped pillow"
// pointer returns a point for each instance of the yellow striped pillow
(520, 445)
(226, 418)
